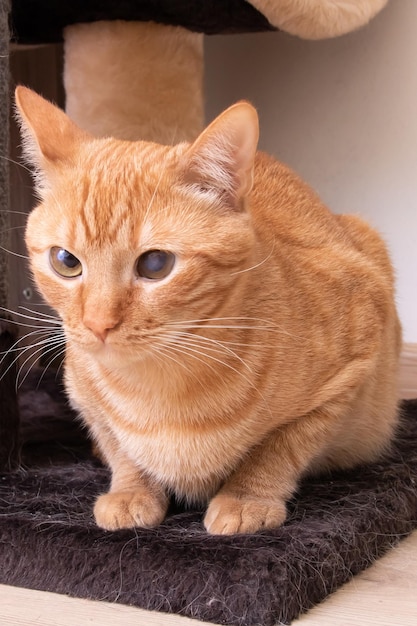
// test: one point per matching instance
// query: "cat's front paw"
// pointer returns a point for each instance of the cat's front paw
(129, 509)
(227, 515)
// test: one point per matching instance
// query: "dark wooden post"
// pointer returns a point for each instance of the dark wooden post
(9, 414)
(9, 411)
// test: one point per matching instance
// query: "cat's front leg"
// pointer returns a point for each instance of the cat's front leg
(134, 500)
(255, 496)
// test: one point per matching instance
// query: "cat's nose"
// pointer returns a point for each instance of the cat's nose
(100, 327)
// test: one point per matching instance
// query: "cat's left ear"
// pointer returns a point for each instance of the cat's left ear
(221, 160)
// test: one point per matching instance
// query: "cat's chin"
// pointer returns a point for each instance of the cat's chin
(116, 358)
(112, 355)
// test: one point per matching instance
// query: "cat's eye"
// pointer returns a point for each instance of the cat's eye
(64, 263)
(155, 264)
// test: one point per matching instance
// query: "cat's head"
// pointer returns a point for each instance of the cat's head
(132, 238)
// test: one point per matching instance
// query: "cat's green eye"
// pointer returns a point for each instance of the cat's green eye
(64, 263)
(155, 264)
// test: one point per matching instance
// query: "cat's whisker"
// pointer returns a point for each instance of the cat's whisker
(203, 324)
(267, 324)
(180, 349)
(165, 209)
(49, 331)
(48, 341)
(193, 350)
(222, 319)
(8, 230)
(42, 351)
(43, 318)
(232, 327)
(237, 344)
(47, 319)
(16, 348)
(51, 191)
(62, 353)
(253, 267)
(42, 342)
(191, 353)
(202, 341)
(199, 347)
(223, 342)
(24, 325)
(165, 351)
(21, 256)
(17, 212)
(39, 331)
(174, 134)
(37, 328)
(151, 201)
(217, 346)
(21, 165)
(47, 315)
(55, 357)
(39, 316)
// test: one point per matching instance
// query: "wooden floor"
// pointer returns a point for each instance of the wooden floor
(408, 372)
(385, 594)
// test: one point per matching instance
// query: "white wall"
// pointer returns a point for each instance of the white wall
(343, 113)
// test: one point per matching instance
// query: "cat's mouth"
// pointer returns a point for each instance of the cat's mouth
(98, 346)
(111, 350)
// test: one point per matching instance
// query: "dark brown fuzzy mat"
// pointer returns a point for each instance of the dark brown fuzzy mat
(338, 525)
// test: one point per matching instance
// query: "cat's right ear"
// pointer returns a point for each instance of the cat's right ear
(49, 136)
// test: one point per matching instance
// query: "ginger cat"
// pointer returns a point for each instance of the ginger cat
(226, 333)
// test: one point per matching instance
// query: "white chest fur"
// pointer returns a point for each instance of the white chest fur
(183, 443)
(190, 462)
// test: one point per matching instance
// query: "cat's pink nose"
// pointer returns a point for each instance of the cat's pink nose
(100, 327)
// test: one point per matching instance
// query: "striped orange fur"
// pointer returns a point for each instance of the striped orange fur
(269, 349)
